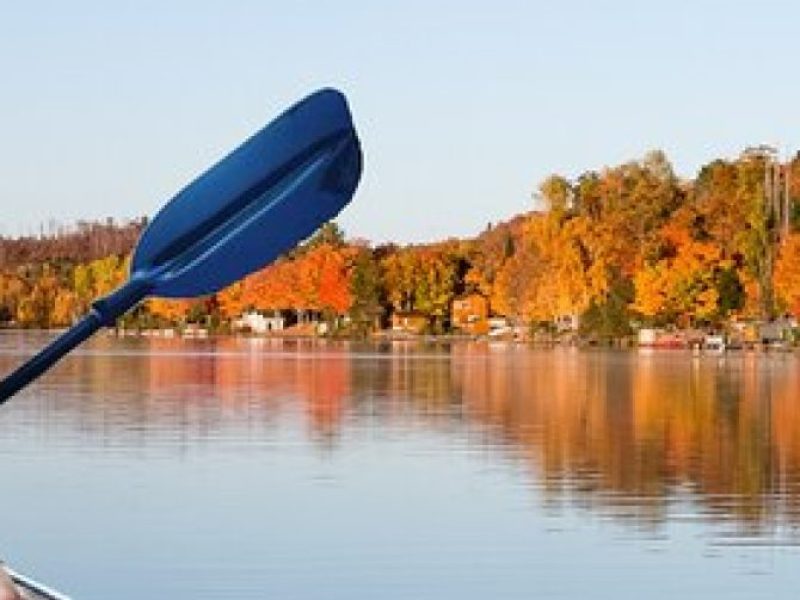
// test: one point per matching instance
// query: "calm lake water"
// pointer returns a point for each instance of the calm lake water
(247, 469)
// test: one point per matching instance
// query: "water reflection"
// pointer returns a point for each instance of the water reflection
(635, 436)
(633, 433)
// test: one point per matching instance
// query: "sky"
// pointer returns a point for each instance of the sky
(107, 109)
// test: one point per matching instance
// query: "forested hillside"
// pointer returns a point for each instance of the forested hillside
(627, 245)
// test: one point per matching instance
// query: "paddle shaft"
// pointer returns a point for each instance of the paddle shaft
(104, 312)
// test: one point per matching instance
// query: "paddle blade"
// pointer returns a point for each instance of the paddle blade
(255, 204)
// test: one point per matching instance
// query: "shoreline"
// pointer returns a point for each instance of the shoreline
(628, 343)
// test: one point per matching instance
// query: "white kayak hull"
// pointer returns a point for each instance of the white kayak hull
(32, 590)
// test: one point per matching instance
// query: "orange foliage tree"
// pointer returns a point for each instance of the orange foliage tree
(317, 279)
(685, 283)
(787, 274)
(172, 310)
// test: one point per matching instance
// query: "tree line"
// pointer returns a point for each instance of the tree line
(627, 245)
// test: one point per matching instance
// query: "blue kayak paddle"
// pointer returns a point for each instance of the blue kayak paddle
(261, 200)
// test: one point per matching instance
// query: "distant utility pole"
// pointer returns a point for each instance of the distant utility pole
(777, 207)
(776, 197)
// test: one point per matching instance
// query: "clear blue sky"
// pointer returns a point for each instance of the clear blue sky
(108, 108)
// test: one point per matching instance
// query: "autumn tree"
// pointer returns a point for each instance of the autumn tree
(486, 255)
(731, 213)
(98, 278)
(36, 308)
(367, 292)
(787, 274)
(13, 288)
(328, 234)
(170, 310)
(609, 316)
(230, 300)
(692, 283)
(424, 279)
(556, 193)
(66, 308)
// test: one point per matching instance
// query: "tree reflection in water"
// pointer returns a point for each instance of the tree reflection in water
(630, 434)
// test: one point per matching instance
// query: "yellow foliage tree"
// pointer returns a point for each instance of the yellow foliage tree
(559, 269)
(65, 308)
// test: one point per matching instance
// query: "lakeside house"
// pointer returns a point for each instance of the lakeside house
(302, 322)
(500, 327)
(470, 314)
(260, 323)
(778, 331)
(409, 322)
(193, 330)
(654, 337)
(737, 334)
(567, 323)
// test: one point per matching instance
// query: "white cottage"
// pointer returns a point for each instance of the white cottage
(260, 323)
